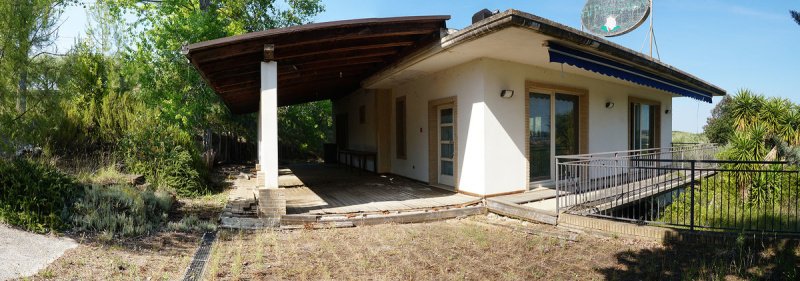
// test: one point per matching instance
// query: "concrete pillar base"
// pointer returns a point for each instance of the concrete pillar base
(271, 203)
(260, 179)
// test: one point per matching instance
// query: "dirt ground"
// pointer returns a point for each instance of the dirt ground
(162, 256)
(484, 248)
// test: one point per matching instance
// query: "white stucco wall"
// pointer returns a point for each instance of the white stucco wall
(360, 136)
(490, 129)
(505, 121)
(466, 82)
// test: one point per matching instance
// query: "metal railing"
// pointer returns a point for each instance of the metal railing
(683, 187)
(585, 179)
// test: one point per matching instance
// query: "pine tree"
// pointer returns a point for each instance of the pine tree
(796, 16)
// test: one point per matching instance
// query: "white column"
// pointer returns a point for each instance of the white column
(268, 124)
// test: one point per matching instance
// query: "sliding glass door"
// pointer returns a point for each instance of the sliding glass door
(643, 126)
(540, 137)
(553, 130)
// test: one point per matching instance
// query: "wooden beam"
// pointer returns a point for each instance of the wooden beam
(335, 63)
(351, 54)
(328, 26)
(269, 52)
(360, 33)
(288, 54)
(506, 208)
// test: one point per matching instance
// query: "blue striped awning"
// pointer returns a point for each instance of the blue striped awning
(591, 62)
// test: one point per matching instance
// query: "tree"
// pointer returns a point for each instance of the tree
(168, 81)
(795, 16)
(27, 30)
(719, 127)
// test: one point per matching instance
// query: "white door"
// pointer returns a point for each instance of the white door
(447, 145)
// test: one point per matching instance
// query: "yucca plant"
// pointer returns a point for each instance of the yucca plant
(745, 108)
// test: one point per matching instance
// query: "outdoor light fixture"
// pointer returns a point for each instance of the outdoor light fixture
(506, 94)
(667, 111)
(609, 105)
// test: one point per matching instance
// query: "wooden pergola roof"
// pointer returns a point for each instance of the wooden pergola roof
(315, 61)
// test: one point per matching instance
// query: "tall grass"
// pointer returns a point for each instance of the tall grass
(121, 210)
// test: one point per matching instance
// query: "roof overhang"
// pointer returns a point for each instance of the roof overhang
(315, 61)
(566, 36)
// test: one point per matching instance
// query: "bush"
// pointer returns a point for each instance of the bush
(167, 157)
(121, 210)
(191, 224)
(34, 196)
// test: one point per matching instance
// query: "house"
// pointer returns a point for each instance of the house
(481, 111)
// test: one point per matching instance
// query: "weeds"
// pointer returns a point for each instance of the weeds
(121, 210)
(191, 223)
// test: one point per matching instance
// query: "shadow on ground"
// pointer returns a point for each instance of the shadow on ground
(710, 258)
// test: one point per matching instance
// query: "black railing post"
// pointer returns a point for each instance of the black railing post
(691, 214)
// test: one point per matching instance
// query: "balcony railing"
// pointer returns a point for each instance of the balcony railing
(683, 186)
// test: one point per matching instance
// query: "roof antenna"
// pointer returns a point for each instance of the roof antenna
(652, 34)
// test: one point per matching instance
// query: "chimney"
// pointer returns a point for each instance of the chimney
(482, 14)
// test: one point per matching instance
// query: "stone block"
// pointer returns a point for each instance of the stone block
(271, 203)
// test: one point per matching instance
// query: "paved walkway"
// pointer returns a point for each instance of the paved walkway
(24, 254)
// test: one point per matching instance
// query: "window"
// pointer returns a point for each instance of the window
(362, 114)
(644, 125)
(400, 127)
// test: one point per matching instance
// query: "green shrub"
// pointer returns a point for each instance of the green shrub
(191, 224)
(121, 210)
(167, 157)
(34, 196)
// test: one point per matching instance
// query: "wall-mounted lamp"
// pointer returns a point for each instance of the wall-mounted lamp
(506, 94)
(667, 111)
(609, 105)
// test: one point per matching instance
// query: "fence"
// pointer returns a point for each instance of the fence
(683, 186)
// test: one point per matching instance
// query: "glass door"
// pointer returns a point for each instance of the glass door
(566, 133)
(642, 126)
(446, 145)
(539, 134)
(553, 126)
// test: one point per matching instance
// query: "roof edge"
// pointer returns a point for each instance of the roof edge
(194, 47)
(572, 35)
(516, 18)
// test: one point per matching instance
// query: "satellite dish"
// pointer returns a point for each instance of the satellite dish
(614, 17)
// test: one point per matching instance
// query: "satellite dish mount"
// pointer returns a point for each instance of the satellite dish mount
(609, 18)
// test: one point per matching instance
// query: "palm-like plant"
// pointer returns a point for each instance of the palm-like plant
(795, 16)
(772, 115)
(745, 109)
(787, 125)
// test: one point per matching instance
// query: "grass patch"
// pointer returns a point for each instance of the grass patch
(191, 223)
(107, 175)
(162, 256)
(454, 250)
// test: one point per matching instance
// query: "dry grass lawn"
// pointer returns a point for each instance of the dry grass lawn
(164, 256)
(477, 248)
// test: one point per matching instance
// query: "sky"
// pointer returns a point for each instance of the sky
(733, 44)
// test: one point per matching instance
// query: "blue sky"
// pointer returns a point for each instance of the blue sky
(732, 44)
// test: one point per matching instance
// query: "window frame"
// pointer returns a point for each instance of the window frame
(656, 121)
(401, 129)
